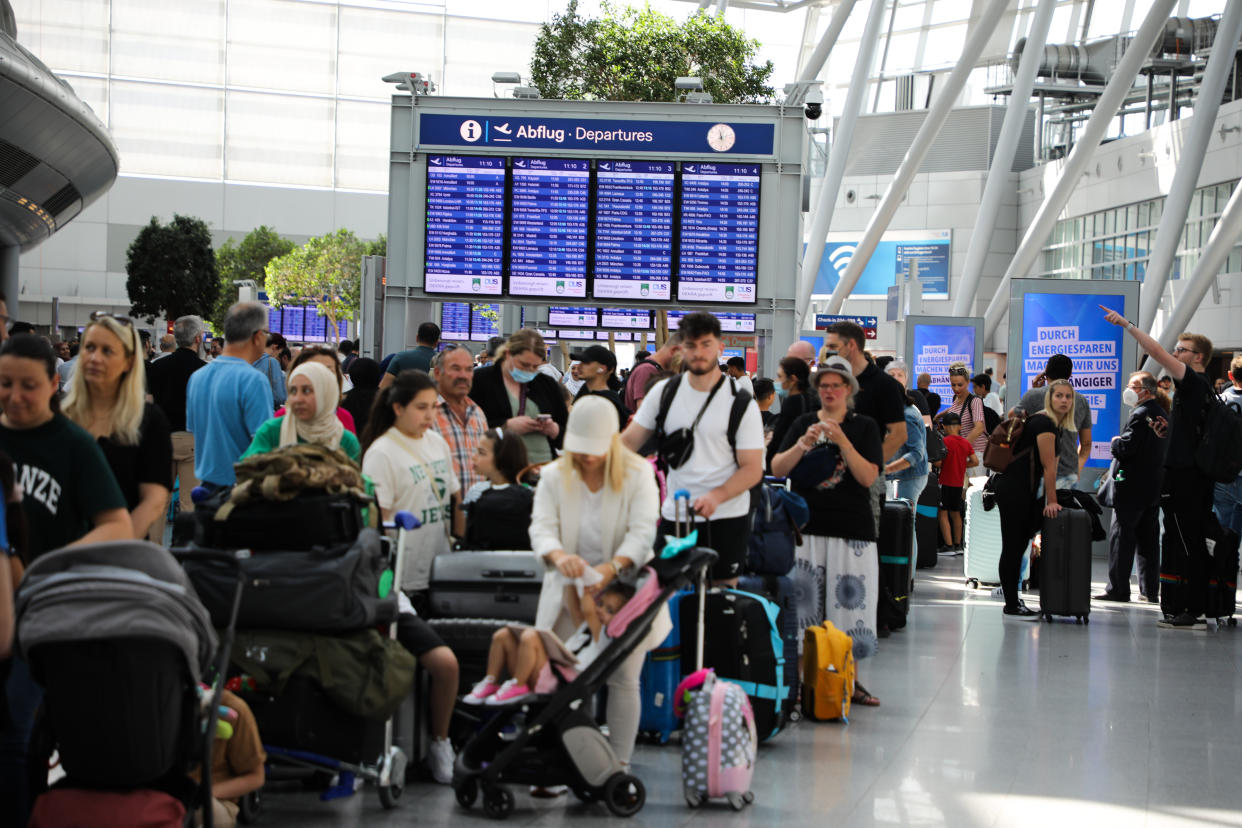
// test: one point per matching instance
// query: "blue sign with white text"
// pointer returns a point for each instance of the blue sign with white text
(598, 135)
(1073, 324)
(936, 347)
(890, 259)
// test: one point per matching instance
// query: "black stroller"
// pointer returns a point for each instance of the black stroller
(559, 742)
(117, 637)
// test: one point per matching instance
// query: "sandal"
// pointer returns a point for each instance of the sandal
(861, 696)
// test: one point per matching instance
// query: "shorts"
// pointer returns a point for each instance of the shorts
(729, 538)
(416, 635)
(950, 498)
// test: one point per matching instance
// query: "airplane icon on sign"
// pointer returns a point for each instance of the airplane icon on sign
(519, 163)
(504, 129)
(436, 161)
(604, 165)
(690, 168)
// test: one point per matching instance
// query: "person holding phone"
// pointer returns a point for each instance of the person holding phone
(515, 396)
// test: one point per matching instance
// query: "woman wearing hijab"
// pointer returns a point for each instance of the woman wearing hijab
(311, 416)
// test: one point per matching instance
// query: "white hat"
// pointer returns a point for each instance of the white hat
(592, 424)
(838, 365)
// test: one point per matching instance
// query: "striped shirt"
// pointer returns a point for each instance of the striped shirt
(462, 437)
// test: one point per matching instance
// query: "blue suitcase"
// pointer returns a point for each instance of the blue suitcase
(659, 679)
(780, 589)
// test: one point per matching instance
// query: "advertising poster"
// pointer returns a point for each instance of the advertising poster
(932, 250)
(1074, 325)
(936, 347)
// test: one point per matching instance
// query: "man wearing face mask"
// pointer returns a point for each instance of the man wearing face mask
(167, 380)
(596, 367)
(515, 395)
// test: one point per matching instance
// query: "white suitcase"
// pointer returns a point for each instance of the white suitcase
(982, 539)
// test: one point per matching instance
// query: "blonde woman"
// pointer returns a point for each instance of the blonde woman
(596, 507)
(514, 395)
(1030, 479)
(107, 397)
(970, 408)
(311, 416)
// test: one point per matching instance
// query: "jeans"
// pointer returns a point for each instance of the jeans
(1134, 530)
(911, 489)
(24, 696)
(1227, 503)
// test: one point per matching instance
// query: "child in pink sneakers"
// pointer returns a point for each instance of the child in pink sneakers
(524, 652)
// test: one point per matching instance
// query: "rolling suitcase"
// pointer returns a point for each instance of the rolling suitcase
(780, 589)
(896, 547)
(982, 540)
(927, 524)
(1223, 579)
(1065, 566)
(720, 746)
(470, 639)
(659, 679)
(487, 584)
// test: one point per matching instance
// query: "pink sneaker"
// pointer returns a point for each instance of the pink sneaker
(485, 688)
(509, 693)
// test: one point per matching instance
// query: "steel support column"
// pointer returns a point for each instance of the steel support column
(936, 116)
(838, 154)
(1002, 160)
(1190, 162)
(815, 63)
(1076, 162)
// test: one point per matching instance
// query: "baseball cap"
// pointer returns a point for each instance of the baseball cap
(596, 353)
(592, 424)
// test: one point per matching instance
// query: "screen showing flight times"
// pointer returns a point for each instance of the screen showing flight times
(719, 255)
(729, 322)
(633, 230)
(455, 321)
(625, 318)
(548, 227)
(464, 250)
(563, 317)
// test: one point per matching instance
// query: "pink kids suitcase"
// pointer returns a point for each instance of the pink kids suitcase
(719, 742)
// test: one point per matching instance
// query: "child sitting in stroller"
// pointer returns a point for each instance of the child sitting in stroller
(527, 654)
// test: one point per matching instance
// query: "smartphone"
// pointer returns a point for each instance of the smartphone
(543, 418)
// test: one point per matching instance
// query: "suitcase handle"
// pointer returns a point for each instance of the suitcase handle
(507, 573)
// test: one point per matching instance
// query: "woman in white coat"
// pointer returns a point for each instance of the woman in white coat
(596, 507)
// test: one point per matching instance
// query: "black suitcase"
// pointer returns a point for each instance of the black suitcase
(302, 717)
(741, 645)
(305, 522)
(927, 524)
(486, 584)
(470, 639)
(327, 590)
(1223, 579)
(1065, 565)
(896, 548)
(780, 589)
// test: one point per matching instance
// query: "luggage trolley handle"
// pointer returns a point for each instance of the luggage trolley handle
(404, 522)
(682, 529)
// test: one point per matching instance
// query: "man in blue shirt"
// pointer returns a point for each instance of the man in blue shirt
(427, 338)
(269, 366)
(227, 401)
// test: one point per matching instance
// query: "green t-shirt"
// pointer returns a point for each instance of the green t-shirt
(65, 481)
(267, 438)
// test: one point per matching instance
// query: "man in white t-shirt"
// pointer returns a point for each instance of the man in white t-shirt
(718, 475)
(736, 369)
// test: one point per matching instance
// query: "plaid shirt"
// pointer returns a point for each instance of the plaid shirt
(463, 438)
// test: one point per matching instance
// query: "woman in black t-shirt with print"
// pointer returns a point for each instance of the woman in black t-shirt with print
(108, 398)
(1018, 490)
(839, 551)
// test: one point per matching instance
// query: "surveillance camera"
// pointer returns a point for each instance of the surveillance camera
(850, 196)
(814, 110)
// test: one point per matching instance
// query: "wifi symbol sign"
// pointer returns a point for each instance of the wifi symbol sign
(841, 257)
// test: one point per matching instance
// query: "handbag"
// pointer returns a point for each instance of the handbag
(676, 448)
(816, 466)
(1108, 485)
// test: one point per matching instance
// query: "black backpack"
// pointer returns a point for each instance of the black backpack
(741, 399)
(936, 449)
(990, 419)
(499, 519)
(1219, 451)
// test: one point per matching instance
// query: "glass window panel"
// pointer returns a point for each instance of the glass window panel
(1234, 264)
(903, 54)
(475, 49)
(375, 43)
(283, 45)
(1140, 244)
(1132, 217)
(169, 41)
(947, 11)
(1140, 271)
(1097, 252)
(362, 146)
(67, 35)
(279, 140)
(908, 14)
(1076, 229)
(94, 93)
(167, 130)
(1157, 210)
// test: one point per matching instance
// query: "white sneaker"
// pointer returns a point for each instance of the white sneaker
(440, 759)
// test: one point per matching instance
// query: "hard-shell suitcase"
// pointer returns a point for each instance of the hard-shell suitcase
(719, 745)
(896, 548)
(659, 679)
(1065, 565)
(927, 523)
(470, 639)
(304, 718)
(1223, 578)
(486, 584)
(982, 540)
(780, 589)
(304, 522)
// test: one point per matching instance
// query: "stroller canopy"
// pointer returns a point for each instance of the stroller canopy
(111, 591)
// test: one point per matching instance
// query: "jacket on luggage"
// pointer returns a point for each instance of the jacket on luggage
(1140, 459)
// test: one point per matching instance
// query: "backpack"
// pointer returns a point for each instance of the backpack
(741, 399)
(936, 449)
(1219, 451)
(990, 419)
(776, 517)
(998, 454)
(626, 380)
(499, 519)
(828, 673)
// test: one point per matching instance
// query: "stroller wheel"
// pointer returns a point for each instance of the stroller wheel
(586, 795)
(467, 793)
(625, 795)
(389, 794)
(250, 807)
(498, 802)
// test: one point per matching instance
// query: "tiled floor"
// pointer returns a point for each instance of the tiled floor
(984, 722)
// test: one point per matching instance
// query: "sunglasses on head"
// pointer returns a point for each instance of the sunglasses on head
(120, 320)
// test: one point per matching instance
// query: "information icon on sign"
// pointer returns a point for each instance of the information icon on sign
(471, 130)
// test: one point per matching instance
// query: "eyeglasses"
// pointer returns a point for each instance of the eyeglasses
(120, 320)
(1179, 349)
(832, 386)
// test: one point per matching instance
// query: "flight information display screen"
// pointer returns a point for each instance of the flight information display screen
(625, 318)
(464, 251)
(719, 255)
(633, 230)
(455, 321)
(573, 317)
(617, 336)
(482, 328)
(548, 227)
(729, 322)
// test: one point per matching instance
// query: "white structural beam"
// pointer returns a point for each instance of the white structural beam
(1097, 125)
(815, 63)
(1189, 163)
(1002, 160)
(936, 116)
(838, 153)
(1224, 236)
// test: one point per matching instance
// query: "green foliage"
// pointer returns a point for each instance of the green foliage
(172, 271)
(247, 260)
(379, 247)
(325, 272)
(637, 54)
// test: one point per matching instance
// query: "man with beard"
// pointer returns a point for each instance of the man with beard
(459, 420)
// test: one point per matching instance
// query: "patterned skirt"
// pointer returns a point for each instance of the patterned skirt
(838, 580)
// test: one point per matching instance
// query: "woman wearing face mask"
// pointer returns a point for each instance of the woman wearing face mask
(1026, 492)
(596, 507)
(310, 418)
(793, 383)
(597, 367)
(515, 396)
(970, 408)
(107, 398)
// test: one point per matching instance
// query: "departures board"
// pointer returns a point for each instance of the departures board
(612, 229)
